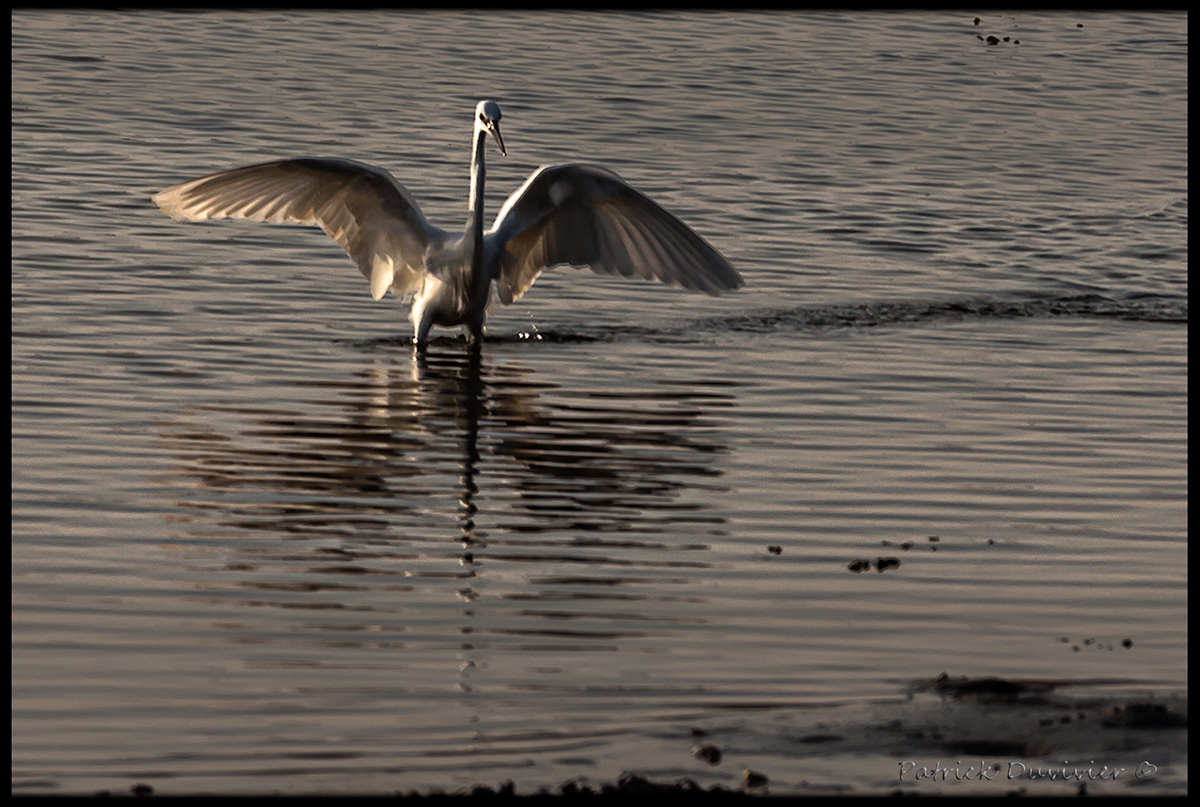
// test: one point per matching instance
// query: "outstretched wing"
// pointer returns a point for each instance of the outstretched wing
(587, 216)
(361, 207)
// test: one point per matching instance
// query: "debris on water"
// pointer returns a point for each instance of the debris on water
(775, 550)
(995, 40)
(906, 545)
(983, 688)
(631, 783)
(507, 789)
(707, 752)
(1092, 642)
(880, 564)
(1144, 716)
(754, 778)
(628, 784)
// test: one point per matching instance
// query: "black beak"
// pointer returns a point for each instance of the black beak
(494, 128)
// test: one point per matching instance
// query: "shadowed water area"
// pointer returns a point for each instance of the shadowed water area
(260, 545)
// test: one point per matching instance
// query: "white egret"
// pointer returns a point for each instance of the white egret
(565, 214)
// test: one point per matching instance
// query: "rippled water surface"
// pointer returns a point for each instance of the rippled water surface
(259, 546)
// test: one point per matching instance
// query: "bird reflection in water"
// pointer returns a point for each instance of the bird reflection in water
(374, 466)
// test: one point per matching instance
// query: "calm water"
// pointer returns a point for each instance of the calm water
(259, 547)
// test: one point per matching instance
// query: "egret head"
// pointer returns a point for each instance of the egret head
(487, 117)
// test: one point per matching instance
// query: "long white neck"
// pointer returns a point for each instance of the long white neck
(475, 288)
(478, 175)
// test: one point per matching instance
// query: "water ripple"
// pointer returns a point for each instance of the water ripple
(1134, 308)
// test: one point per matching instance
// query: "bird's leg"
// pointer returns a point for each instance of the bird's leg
(422, 320)
(420, 360)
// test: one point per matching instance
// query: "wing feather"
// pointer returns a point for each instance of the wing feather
(588, 216)
(363, 208)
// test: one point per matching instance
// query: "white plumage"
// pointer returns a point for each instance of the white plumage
(566, 214)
